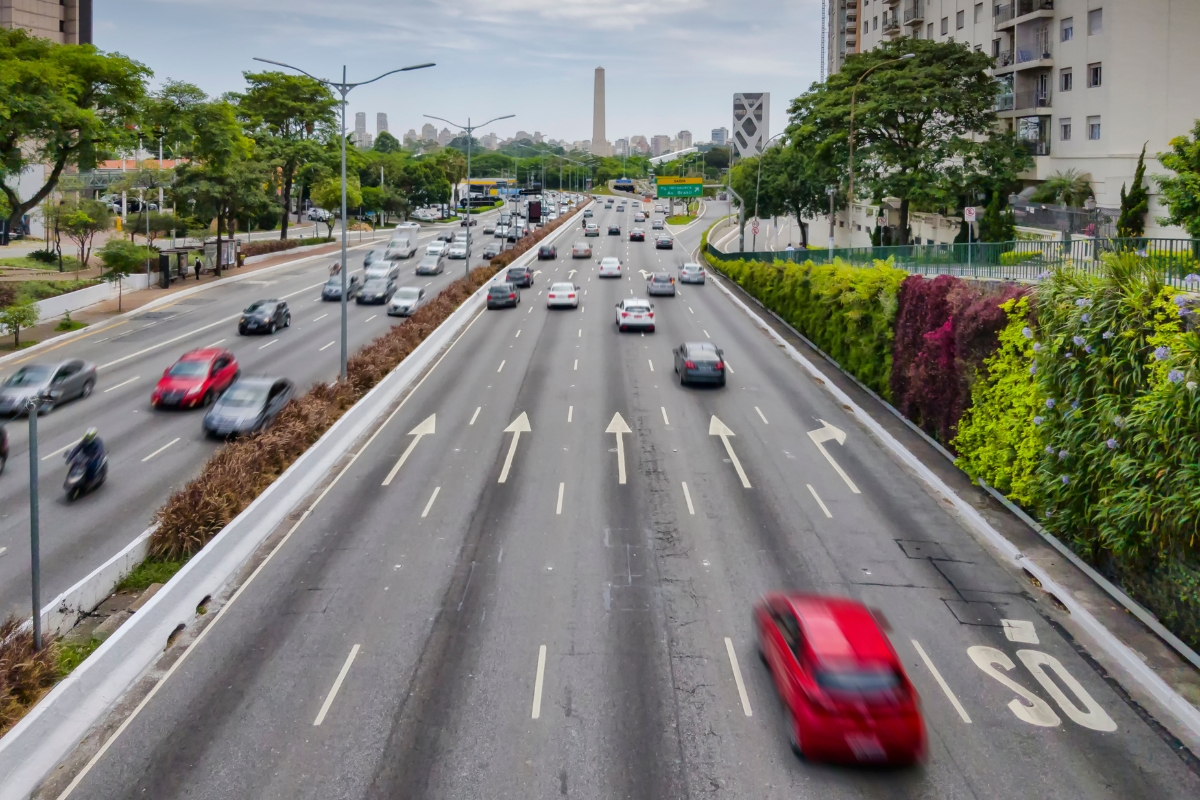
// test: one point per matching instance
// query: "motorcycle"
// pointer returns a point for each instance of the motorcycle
(77, 481)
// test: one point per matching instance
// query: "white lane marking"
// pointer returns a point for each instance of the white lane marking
(761, 416)
(214, 344)
(690, 310)
(817, 497)
(326, 347)
(49, 456)
(159, 450)
(706, 336)
(664, 413)
(570, 412)
(124, 383)
(368, 319)
(688, 496)
(429, 284)
(1019, 630)
(577, 364)
(718, 428)
(558, 508)
(728, 368)
(318, 319)
(476, 414)
(3, 550)
(429, 505)
(580, 336)
(737, 677)
(937, 676)
(337, 684)
(651, 363)
(268, 344)
(518, 336)
(537, 682)
(530, 311)
(500, 367)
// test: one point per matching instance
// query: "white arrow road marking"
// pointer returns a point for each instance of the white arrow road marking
(619, 427)
(718, 428)
(424, 429)
(519, 425)
(824, 434)
(571, 272)
(817, 497)
(644, 274)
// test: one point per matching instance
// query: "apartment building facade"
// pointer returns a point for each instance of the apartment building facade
(62, 21)
(1084, 83)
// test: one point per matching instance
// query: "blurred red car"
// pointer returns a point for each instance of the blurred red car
(845, 694)
(196, 379)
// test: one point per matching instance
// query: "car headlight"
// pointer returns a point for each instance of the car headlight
(194, 390)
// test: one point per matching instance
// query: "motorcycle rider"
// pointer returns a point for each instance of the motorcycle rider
(91, 449)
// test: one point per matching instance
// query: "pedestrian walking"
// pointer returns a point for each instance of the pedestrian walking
(199, 264)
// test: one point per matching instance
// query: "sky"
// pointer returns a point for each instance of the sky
(670, 65)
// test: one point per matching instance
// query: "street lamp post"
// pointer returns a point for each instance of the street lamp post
(35, 549)
(853, 92)
(470, 129)
(343, 88)
(758, 185)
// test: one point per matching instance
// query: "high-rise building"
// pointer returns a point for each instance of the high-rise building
(65, 21)
(621, 147)
(841, 33)
(639, 144)
(660, 144)
(720, 136)
(751, 118)
(523, 135)
(445, 137)
(359, 136)
(428, 132)
(684, 138)
(1069, 72)
(600, 145)
(489, 140)
(380, 123)
(411, 136)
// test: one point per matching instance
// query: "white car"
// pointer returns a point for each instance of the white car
(501, 231)
(635, 312)
(610, 267)
(562, 294)
(406, 301)
(592, 229)
(691, 272)
(656, 225)
(458, 250)
(437, 248)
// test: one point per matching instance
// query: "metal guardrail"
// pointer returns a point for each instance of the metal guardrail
(1179, 259)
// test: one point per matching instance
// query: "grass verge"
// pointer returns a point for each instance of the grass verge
(70, 264)
(25, 674)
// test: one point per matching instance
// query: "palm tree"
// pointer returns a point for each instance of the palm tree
(1069, 188)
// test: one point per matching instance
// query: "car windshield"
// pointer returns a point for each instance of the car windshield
(33, 375)
(610, 262)
(262, 306)
(408, 293)
(244, 396)
(519, 272)
(563, 287)
(335, 282)
(429, 261)
(188, 369)
(875, 680)
(375, 285)
(637, 307)
(662, 279)
(694, 346)
(503, 288)
(546, 248)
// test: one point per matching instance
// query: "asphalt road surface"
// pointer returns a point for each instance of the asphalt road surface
(506, 619)
(152, 453)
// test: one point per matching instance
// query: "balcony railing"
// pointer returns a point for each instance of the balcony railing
(1038, 98)
(1036, 51)
(1005, 102)
(1036, 147)
(1004, 58)
(914, 13)
(891, 24)
(1007, 12)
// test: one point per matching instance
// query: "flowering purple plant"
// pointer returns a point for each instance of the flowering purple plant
(1112, 444)
(1162, 353)
(1065, 480)
(1087, 349)
(1050, 402)
(1037, 347)
(1027, 332)
(1074, 405)
(1175, 376)
(1049, 450)
(1108, 335)
(1083, 302)
(1085, 317)
(1078, 340)
(1179, 300)
(1062, 454)
(1038, 420)
(1033, 369)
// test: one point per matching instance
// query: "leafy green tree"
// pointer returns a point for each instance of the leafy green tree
(1181, 191)
(386, 143)
(166, 114)
(145, 181)
(911, 118)
(718, 158)
(80, 221)
(793, 182)
(122, 258)
(290, 117)
(64, 105)
(1069, 188)
(453, 165)
(998, 223)
(17, 316)
(1135, 204)
(328, 195)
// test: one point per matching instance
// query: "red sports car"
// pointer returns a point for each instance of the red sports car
(196, 379)
(845, 694)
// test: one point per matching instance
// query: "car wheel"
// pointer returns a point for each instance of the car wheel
(682, 379)
(722, 383)
(87, 388)
(793, 734)
(3, 461)
(287, 321)
(207, 399)
(273, 328)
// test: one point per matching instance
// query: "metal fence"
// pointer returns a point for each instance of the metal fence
(1178, 259)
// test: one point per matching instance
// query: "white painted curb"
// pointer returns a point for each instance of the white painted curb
(53, 728)
(1183, 711)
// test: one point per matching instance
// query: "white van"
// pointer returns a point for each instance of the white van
(402, 247)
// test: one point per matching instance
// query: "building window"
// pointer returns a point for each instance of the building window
(995, 48)
(1094, 128)
(978, 48)
(1065, 80)
(960, 20)
(62, 26)
(978, 13)
(929, 31)
(945, 25)
(875, 24)
(1064, 129)
(1067, 28)
(1094, 75)
(1095, 21)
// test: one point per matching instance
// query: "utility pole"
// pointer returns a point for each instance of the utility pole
(832, 192)
(35, 545)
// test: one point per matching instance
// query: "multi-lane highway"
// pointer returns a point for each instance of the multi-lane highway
(508, 618)
(153, 452)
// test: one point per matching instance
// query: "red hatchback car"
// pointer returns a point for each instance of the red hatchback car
(196, 379)
(845, 694)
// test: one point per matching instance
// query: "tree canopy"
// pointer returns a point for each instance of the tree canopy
(1181, 191)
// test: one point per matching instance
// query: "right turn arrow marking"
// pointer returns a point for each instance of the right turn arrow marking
(519, 425)
(718, 428)
(824, 434)
(620, 428)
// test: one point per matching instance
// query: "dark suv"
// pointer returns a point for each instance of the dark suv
(521, 277)
(503, 295)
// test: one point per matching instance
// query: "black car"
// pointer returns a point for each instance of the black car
(521, 277)
(377, 290)
(333, 288)
(637, 235)
(491, 251)
(503, 295)
(446, 236)
(248, 405)
(700, 362)
(468, 222)
(664, 243)
(265, 316)
(547, 252)
(614, 230)
(3, 448)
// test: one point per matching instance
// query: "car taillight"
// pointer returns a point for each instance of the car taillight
(570, 297)
(624, 313)
(690, 364)
(512, 296)
(720, 365)
(650, 314)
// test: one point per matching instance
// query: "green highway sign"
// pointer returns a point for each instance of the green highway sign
(669, 186)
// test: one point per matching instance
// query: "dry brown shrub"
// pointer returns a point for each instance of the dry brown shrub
(25, 675)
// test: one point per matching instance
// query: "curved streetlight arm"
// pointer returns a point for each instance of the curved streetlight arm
(343, 86)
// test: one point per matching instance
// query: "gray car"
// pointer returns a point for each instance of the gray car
(699, 362)
(55, 384)
(248, 405)
(431, 265)
(661, 283)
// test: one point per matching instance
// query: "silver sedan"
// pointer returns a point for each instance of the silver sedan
(52, 384)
